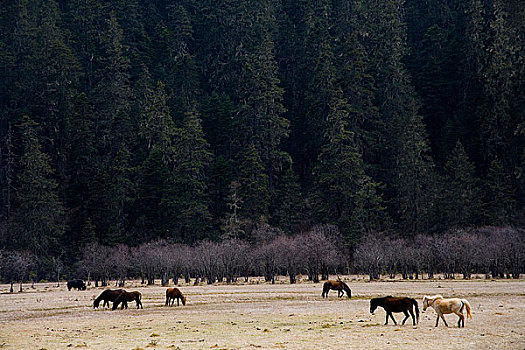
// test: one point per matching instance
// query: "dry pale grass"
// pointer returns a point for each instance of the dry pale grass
(261, 316)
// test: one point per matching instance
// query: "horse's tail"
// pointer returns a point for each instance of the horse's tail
(414, 301)
(467, 306)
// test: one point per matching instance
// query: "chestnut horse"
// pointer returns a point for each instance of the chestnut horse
(124, 297)
(396, 304)
(447, 306)
(339, 286)
(172, 294)
(107, 296)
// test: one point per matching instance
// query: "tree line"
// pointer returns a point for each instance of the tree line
(491, 251)
(129, 122)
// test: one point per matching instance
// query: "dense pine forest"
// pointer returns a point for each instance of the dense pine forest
(191, 121)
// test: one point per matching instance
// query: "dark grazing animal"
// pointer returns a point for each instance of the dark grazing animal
(124, 297)
(339, 286)
(172, 294)
(78, 284)
(396, 304)
(107, 296)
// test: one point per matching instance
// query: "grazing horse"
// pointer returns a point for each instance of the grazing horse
(172, 294)
(447, 306)
(396, 304)
(124, 297)
(107, 295)
(339, 286)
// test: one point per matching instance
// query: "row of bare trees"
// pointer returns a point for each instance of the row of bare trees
(493, 251)
(313, 253)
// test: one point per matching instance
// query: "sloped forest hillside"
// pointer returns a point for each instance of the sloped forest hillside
(129, 122)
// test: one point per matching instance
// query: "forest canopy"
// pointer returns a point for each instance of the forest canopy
(129, 122)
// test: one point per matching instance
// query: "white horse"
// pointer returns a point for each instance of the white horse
(447, 306)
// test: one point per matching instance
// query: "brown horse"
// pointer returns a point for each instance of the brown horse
(339, 286)
(396, 304)
(124, 297)
(107, 296)
(172, 294)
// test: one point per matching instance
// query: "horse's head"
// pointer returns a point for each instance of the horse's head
(428, 301)
(373, 305)
(425, 303)
(96, 303)
(183, 300)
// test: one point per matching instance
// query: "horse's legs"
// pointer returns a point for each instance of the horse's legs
(437, 320)
(406, 317)
(178, 301)
(388, 313)
(340, 293)
(412, 314)
(443, 317)
(461, 319)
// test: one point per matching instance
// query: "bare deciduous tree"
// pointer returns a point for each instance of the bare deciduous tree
(370, 255)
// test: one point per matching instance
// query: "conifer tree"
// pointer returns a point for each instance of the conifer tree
(38, 221)
(499, 203)
(319, 63)
(286, 204)
(345, 195)
(186, 198)
(260, 112)
(461, 196)
(81, 165)
(180, 68)
(253, 187)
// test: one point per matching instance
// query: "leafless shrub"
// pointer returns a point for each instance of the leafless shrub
(15, 267)
(291, 256)
(321, 248)
(96, 263)
(207, 265)
(120, 263)
(370, 255)
(266, 257)
(232, 253)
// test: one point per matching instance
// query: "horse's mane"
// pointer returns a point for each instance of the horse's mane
(433, 297)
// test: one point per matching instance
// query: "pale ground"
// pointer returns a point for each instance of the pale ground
(262, 316)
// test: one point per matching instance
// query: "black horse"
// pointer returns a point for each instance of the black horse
(78, 284)
(396, 304)
(107, 296)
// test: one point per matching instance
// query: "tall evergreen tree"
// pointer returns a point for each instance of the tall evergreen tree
(345, 195)
(38, 221)
(499, 196)
(186, 195)
(460, 190)
(253, 188)
(260, 112)
(319, 63)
